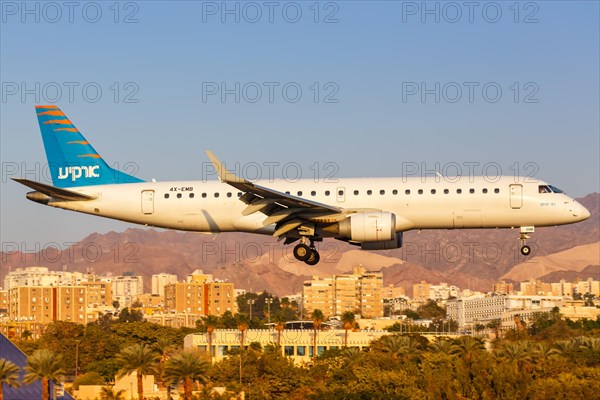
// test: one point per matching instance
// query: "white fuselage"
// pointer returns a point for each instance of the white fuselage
(432, 203)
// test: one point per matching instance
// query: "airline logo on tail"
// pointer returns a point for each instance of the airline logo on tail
(71, 158)
(77, 172)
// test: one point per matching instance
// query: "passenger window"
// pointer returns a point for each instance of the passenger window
(191, 195)
(228, 194)
(471, 191)
(299, 193)
(446, 191)
(313, 193)
(203, 195)
(216, 194)
(484, 190)
(369, 192)
(432, 191)
(356, 192)
(459, 191)
(327, 193)
(394, 192)
(166, 195)
(496, 190)
(420, 191)
(340, 193)
(382, 192)
(239, 194)
(178, 195)
(407, 191)
(287, 192)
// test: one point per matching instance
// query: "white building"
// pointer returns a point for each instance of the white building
(125, 288)
(160, 280)
(41, 276)
(443, 291)
(480, 309)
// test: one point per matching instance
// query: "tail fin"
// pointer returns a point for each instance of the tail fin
(72, 160)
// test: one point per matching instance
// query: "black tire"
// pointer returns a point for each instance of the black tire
(525, 250)
(302, 252)
(314, 258)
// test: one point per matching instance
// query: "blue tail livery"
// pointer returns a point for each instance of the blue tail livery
(71, 158)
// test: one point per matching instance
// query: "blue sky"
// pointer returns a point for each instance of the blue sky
(360, 68)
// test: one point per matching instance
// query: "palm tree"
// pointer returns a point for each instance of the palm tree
(43, 365)
(317, 317)
(9, 375)
(187, 366)
(495, 324)
(279, 326)
(139, 358)
(211, 322)
(243, 323)
(348, 320)
(108, 393)
(442, 346)
(164, 347)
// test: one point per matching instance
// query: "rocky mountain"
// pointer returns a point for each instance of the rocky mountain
(472, 259)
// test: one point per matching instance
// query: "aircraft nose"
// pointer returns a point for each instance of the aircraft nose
(580, 211)
(585, 213)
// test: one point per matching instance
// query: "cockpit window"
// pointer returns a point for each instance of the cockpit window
(549, 189)
(555, 189)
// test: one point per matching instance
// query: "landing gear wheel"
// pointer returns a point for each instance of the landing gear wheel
(525, 250)
(302, 252)
(314, 258)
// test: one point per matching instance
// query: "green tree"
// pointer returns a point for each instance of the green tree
(431, 310)
(9, 375)
(348, 321)
(187, 367)
(44, 365)
(317, 317)
(127, 315)
(139, 358)
(90, 378)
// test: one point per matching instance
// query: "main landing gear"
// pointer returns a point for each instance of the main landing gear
(307, 254)
(525, 250)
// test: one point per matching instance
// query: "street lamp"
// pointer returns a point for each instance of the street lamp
(269, 301)
(250, 303)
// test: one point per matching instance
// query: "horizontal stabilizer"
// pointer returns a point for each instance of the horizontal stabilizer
(54, 192)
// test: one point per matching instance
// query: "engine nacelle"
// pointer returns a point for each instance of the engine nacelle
(395, 243)
(378, 226)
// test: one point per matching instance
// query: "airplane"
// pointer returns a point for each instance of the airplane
(372, 213)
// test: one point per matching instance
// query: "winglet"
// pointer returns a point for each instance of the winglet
(224, 175)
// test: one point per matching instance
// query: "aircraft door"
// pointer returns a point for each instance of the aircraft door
(147, 201)
(516, 196)
(341, 194)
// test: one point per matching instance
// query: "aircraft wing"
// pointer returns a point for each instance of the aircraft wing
(288, 212)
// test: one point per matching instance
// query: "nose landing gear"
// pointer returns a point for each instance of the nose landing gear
(525, 249)
(307, 253)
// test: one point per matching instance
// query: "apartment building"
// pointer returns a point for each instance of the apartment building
(361, 291)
